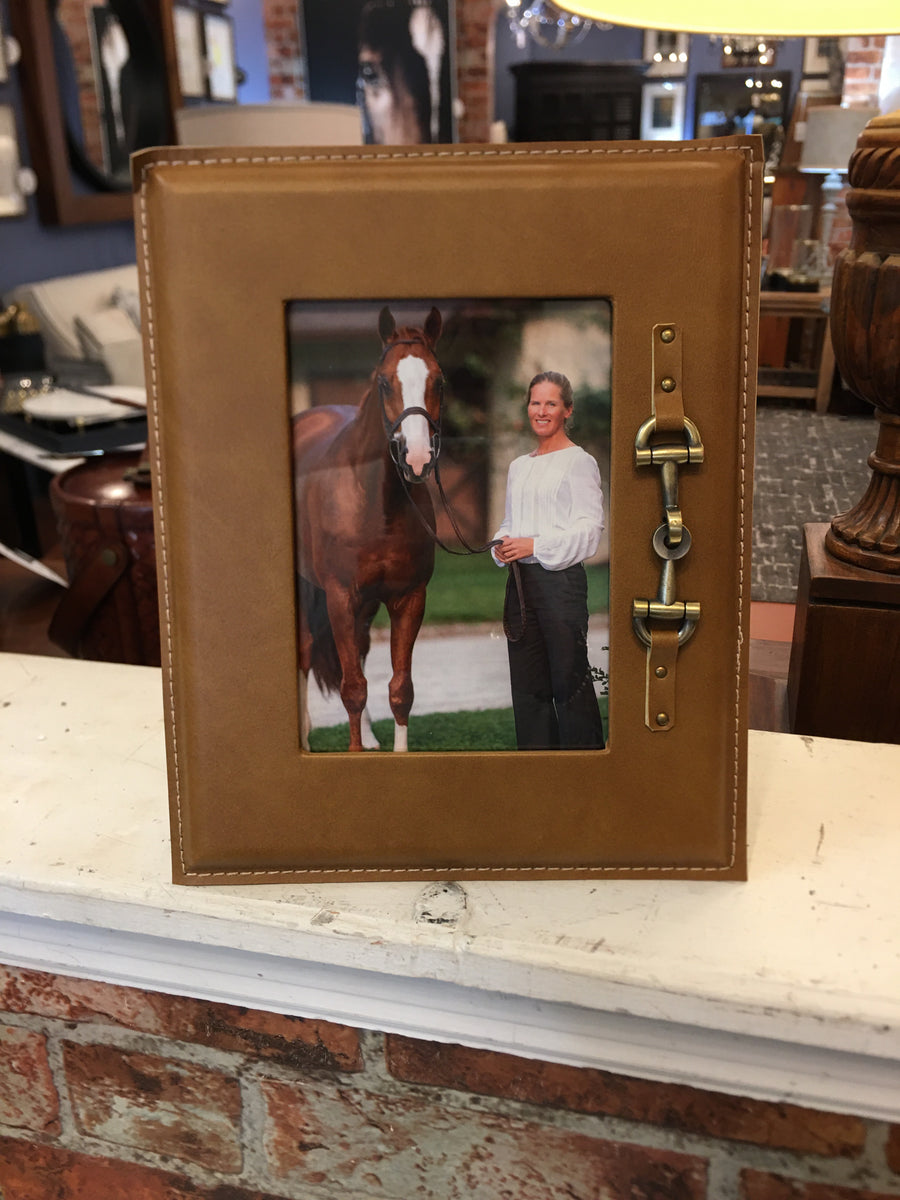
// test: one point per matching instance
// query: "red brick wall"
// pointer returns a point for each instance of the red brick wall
(110, 1092)
(287, 74)
(862, 71)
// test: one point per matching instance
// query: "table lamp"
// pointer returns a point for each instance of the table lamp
(829, 140)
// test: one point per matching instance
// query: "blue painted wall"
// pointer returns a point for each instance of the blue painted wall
(30, 251)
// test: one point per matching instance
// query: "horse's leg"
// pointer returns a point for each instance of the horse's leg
(305, 722)
(406, 614)
(363, 640)
(304, 661)
(354, 690)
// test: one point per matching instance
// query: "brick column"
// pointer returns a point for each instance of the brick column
(287, 71)
(475, 67)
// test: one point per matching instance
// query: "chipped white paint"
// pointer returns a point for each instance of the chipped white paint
(441, 904)
(412, 373)
(785, 988)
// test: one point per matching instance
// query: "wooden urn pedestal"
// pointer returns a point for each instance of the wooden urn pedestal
(844, 676)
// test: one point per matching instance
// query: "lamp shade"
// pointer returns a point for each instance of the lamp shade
(831, 135)
(799, 18)
(288, 124)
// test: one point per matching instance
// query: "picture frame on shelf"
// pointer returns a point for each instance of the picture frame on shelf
(820, 55)
(111, 70)
(662, 110)
(221, 69)
(397, 62)
(189, 54)
(235, 377)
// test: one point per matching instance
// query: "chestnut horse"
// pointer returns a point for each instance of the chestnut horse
(362, 539)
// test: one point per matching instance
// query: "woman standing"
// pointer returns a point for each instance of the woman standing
(553, 522)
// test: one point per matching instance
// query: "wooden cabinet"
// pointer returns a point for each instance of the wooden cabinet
(577, 102)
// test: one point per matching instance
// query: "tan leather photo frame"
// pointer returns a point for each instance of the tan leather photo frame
(661, 238)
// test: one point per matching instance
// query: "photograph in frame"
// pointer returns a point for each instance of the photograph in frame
(418, 230)
(394, 58)
(376, 383)
(113, 74)
(662, 110)
(218, 37)
(822, 54)
(189, 51)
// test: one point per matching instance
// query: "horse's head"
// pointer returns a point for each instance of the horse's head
(411, 388)
(393, 84)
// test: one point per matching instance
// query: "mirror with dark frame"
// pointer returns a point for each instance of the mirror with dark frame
(95, 88)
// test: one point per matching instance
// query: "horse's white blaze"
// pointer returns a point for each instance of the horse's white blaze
(413, 375)
(400, 737)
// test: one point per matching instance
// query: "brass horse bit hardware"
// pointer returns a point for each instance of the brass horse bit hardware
(672, 540)
(667, 440)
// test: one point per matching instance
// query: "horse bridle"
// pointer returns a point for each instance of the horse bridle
(391, 427)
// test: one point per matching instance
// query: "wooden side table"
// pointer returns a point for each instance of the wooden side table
(844, 675)
(810, 306)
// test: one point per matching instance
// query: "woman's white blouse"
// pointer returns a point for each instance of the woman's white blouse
(555, 498)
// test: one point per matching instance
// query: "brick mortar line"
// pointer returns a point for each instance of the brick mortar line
(806, 1165)
(729, 1156)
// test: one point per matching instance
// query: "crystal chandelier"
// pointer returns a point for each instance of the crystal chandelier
(545, 23)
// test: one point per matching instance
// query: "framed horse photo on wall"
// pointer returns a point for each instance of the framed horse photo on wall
(452, 511)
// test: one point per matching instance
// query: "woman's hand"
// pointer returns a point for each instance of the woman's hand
(511, 549)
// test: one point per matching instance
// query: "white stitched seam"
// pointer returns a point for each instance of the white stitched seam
(500, 152)
(161, 512)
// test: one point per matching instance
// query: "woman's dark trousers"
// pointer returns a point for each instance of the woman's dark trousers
(552, 689)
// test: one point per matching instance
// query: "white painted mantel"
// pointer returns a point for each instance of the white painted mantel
(786, 987)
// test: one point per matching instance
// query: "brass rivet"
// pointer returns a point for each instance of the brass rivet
(661, 672)
(668, 384)
(109, 558)
(667, 335)
(662, 719)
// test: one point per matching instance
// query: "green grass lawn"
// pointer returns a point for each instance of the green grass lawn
(469, 589)
(492, 729)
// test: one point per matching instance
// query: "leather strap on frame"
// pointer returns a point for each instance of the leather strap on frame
(668, 408)
(662, 655)
(668, 400)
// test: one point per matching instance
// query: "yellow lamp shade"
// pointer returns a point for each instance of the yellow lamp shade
(799, 18)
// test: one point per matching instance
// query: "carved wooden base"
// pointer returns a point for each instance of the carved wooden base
(868, 536)
(844, 676)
